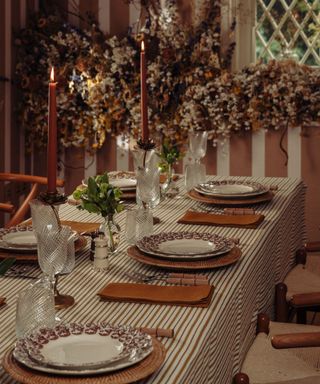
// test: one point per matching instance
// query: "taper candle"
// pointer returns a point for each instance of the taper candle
(143, 85)
(52, 136)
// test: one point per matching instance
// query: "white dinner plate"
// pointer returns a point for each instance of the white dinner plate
(124, 180)
(125, 184)
(21, 239)
(231, 189)
(185, 245)
(78, 349)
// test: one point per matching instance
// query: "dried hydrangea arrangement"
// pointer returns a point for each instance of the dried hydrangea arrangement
(99, 80)
(189, 82)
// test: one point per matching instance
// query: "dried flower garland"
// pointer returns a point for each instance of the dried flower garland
(189, 82)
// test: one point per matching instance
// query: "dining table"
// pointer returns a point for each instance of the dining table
(209, 344)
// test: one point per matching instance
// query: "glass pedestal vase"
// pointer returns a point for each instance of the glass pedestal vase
(111, 231)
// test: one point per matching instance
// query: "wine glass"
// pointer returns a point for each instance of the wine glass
(53, 258)
(195, 173)
(148, 187)
(198, 145)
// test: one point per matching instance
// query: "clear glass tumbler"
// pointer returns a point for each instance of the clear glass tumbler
(53, 249)
(198, 144)
(194, 175)
(35, 307)
(139, 223)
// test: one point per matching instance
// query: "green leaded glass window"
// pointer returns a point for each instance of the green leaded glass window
(288, 28)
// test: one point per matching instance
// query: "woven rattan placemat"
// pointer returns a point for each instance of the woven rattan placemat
(26, 257)
(214, 262)
(134, 373)
(230, 202)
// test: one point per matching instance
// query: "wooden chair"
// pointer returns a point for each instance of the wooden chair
(300, 291)
(18, 213)
(282, 353)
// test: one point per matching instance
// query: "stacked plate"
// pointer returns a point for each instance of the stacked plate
(124, 180)
(185, 245)
(83, 349)
(231, 189)
(21, 239)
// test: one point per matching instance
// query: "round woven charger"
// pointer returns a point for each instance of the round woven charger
(131, 374)
(79, 244)
(230, 202)
(215, 262)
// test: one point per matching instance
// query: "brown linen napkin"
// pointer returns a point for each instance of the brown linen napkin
(163, 178)
(81, 227)
(202, 218)
(77, 226)
(186, 296)
(239, 211)
(2, 301)
(158, 332)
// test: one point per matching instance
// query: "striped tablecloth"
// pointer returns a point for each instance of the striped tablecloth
(209, 344)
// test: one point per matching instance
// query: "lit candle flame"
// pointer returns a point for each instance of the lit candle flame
(52, 75)
(142, 46)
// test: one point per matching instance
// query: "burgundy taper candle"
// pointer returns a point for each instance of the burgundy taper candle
(143, 85)
(52, 136)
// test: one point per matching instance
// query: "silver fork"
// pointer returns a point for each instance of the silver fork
(140, 277)
(23, 272)
(183, 278)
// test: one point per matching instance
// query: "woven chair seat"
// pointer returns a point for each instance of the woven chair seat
(301, 280)
(267, 365)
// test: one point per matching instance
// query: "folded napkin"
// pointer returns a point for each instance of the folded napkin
(158, 332)
(2, 301)
(77, 226)
(239, 211)
(186, 296)
(163, 178)
(202, 218)
(81, 227)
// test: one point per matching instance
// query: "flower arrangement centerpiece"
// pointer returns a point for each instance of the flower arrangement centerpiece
(98, 77)
(189, 82)
(101, 197)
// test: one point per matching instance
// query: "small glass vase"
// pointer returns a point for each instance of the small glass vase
(111, 230)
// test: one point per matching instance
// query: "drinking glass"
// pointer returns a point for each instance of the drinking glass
(35, 307)
(139, 223)
(63, 300)
(53, 246)
(44, 215)
(148, 187)
(194, 174)
(198, 144)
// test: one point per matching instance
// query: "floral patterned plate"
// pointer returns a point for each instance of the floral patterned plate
(21, 238)
(83, 349)
(124, 180)
(231, 188)
(18, 238)
(185, 245)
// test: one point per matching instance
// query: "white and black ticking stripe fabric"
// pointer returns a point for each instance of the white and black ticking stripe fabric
(209, 343)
